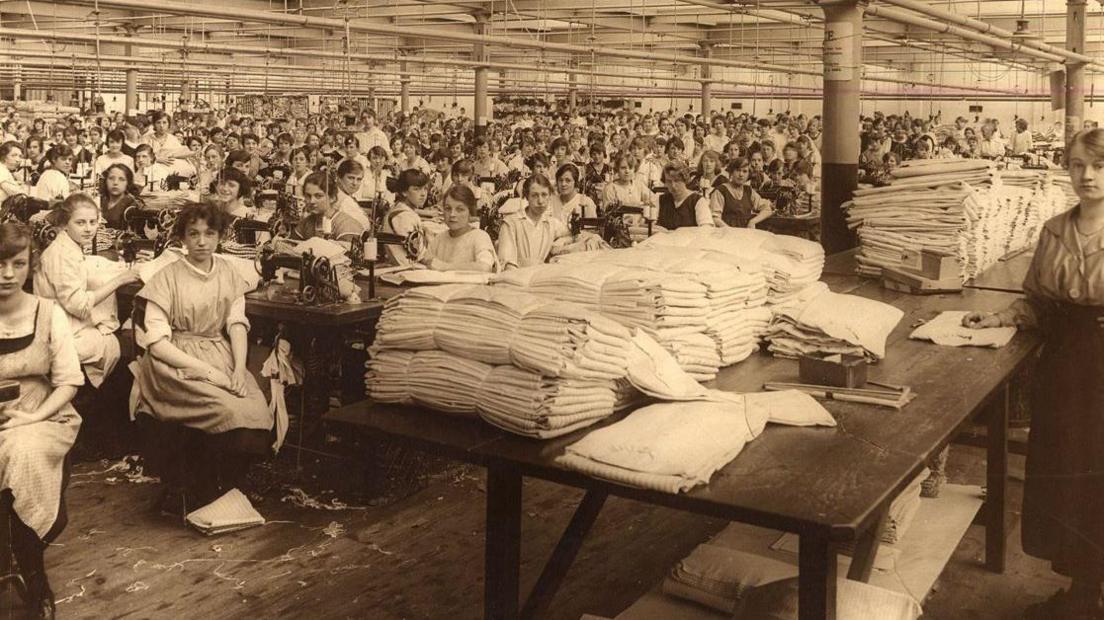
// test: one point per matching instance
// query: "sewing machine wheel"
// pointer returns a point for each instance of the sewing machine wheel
(320, 268)
(309, 294)
(415, 244)
(165, 220)
(44, 235)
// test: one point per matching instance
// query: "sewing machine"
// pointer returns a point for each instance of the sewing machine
(43, 233)
(317, 276)
(502, 182)
(376, 209)
(139, 220)
(364, 251)
(490, 220)
(21, 207)
(611, 225)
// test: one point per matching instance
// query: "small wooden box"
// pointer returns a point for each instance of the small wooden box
(847, 371)
(931, 264)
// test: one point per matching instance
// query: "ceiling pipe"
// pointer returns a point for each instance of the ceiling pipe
(207, 10)
(909, 19)
(986, 28)
(194, 46)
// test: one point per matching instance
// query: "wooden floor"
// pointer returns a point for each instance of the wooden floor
(418, 558)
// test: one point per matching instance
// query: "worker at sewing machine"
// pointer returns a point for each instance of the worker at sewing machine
(679, 206)
(350, 177)
(300, 169)
(323, 216)
(232, 188)
(463, 247)
(568, 201)
(375, 177)
(628, 189)
(528, 237)
(117, 194)
(54, 182)
(63, 274)
(411, 188)
(11, 159)
(463, 173)
(735, 203)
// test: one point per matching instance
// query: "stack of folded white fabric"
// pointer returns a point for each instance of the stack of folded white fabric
(733, 289)
(518, 400)
(526, 364)
(500, 326)
(832, 323)
(788, 263)
(960, 207)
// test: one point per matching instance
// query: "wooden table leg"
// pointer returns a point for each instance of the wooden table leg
(996, 475)
(866, 550)
(503, 544)
(564, 554)
(816, 578)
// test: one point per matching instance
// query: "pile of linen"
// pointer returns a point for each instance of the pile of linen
(526, 364)
(823, 322)
(788, 263)
(959, 207)
(735, 291)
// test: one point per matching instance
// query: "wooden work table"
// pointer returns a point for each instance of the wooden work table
(1006, 275)
(828, 485)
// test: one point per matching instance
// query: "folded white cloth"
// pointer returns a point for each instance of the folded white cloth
(834, 323)
(947, 330)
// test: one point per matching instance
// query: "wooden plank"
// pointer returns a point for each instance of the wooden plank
(817, 568)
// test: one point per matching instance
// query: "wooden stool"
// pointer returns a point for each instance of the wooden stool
(8, 572)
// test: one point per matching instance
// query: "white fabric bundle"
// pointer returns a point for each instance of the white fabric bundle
(518, 400)
(500, 326)
(832, 323)
(732, 287)
(788, 263)
(961, 207)
(673, 447)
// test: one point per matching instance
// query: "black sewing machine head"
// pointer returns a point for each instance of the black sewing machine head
(415, 244)
(610, 226)
(376, 209)
(490, 219)
(43, 233)
(244, 230)
(139, 220)
(317, 276)
(501, 182)
(21, 207)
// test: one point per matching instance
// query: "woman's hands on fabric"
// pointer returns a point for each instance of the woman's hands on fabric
(237, 381)
(981, 320)
(129, 276)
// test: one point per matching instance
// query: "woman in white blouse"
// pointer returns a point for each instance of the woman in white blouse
(11, 158)
(568, 200)
(54, 183)
(462, 247)
(628, 190)
(63, 275)
(527, 237)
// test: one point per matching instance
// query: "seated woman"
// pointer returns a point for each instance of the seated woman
(117, 194)
(679, 207)
(628, 189)
(350, 177)
(462, 247)
(736, 204)
(11, 160)
(231, 190)
(325, 218)
(53, 184)
(40, 426)
(411, 188)
(568, 201)
(113, 155)
(62, 275)
(527, 237)
(194, 372)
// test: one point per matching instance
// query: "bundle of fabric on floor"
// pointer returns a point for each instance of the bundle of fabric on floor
(788, 263)
(823, 322)
(959, 207)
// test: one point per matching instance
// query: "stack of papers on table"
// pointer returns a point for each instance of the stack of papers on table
(229, 513)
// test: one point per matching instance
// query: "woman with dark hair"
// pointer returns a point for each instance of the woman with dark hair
(324, 216)
(117, 194)
(1063, 505)
(736, 204)
(11, 159)
(679, 206)
(54, 182)
(462, 247)
(39, 427)
(528, 236)
(411, 188)
(567, 200)
(32, 163)
(194, 372)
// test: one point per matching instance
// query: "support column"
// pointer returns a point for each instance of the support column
(480, 55)
(404, 89)
(131, 91)
(1075, 71)
(17, 84)
(707, 85)
(186, 92)
(572, 92)
(843, 27)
